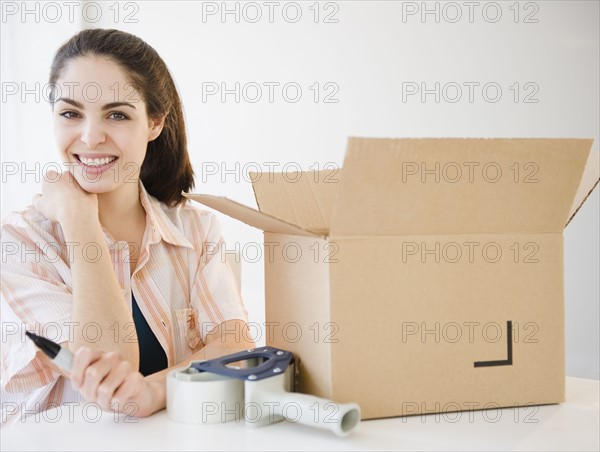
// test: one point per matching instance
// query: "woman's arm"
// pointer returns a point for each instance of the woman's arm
(97, 296)
(108, 379)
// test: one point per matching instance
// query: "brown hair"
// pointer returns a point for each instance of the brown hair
(166, 170)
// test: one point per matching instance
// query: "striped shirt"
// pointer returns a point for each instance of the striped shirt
(182, 284)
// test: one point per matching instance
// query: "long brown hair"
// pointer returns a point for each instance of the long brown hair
(166, 170)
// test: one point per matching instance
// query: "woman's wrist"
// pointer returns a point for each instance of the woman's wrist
(158, 395)
(75, 222)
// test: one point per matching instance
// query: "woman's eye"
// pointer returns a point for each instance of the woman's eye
(69, 114)
(118, 116)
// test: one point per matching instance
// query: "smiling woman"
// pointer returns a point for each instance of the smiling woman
(119, 270)
(97, 136)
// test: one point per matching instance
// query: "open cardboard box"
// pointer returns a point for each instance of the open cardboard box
(427, 274)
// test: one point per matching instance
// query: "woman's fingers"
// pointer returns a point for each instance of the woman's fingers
(52, 175)
(83, 358)
(128, 390)
(105, 378)
(95, 374)
(61, 195)
(118, 373)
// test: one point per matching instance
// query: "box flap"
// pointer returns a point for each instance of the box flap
(305, 199)
(591, 176)
(247, 215)
(457, 185)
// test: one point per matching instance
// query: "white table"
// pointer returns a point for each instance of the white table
(573, 425)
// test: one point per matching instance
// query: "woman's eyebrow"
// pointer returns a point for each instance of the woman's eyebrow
(117, 104)
(104, 107)
(69, 101)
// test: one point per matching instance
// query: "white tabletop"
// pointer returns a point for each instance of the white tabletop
(572, 425)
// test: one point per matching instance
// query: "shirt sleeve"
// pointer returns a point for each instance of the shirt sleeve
(34, 298)
(215, 295)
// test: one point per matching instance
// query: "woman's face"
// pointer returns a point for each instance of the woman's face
(101, 125)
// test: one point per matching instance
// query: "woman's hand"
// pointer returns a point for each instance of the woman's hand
(108, 380)
(62, 199)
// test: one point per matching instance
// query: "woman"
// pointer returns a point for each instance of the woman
(118, 271)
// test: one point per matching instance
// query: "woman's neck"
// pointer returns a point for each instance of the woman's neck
(121, 208)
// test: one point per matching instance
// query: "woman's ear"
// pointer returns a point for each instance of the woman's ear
(156, 126)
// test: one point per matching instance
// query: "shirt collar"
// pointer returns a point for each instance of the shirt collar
(160, 225)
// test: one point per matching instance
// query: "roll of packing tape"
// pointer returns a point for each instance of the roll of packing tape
(203, 397)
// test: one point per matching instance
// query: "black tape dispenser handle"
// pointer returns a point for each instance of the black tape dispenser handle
(263, 362)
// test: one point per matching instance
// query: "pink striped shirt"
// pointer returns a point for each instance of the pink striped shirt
(182, 284)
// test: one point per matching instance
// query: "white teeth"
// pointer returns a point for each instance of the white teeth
(96, 162)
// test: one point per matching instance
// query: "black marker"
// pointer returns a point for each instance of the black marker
(60, 356)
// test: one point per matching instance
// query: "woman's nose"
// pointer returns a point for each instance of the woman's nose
(92, 134)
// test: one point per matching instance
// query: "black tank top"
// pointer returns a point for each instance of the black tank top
(152, 356)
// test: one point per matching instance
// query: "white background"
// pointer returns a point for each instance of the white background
(366, 56)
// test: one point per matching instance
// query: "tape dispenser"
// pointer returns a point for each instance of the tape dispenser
(256, 385)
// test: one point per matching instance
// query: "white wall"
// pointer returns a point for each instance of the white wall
(368, 55)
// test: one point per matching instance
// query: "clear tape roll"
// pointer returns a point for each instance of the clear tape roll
(203, 397)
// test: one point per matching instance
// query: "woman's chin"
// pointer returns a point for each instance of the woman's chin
(97, 183)
(98, 187)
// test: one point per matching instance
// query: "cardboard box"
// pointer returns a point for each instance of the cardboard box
(427, 274)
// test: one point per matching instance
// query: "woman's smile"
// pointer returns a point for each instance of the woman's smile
(96, 160)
